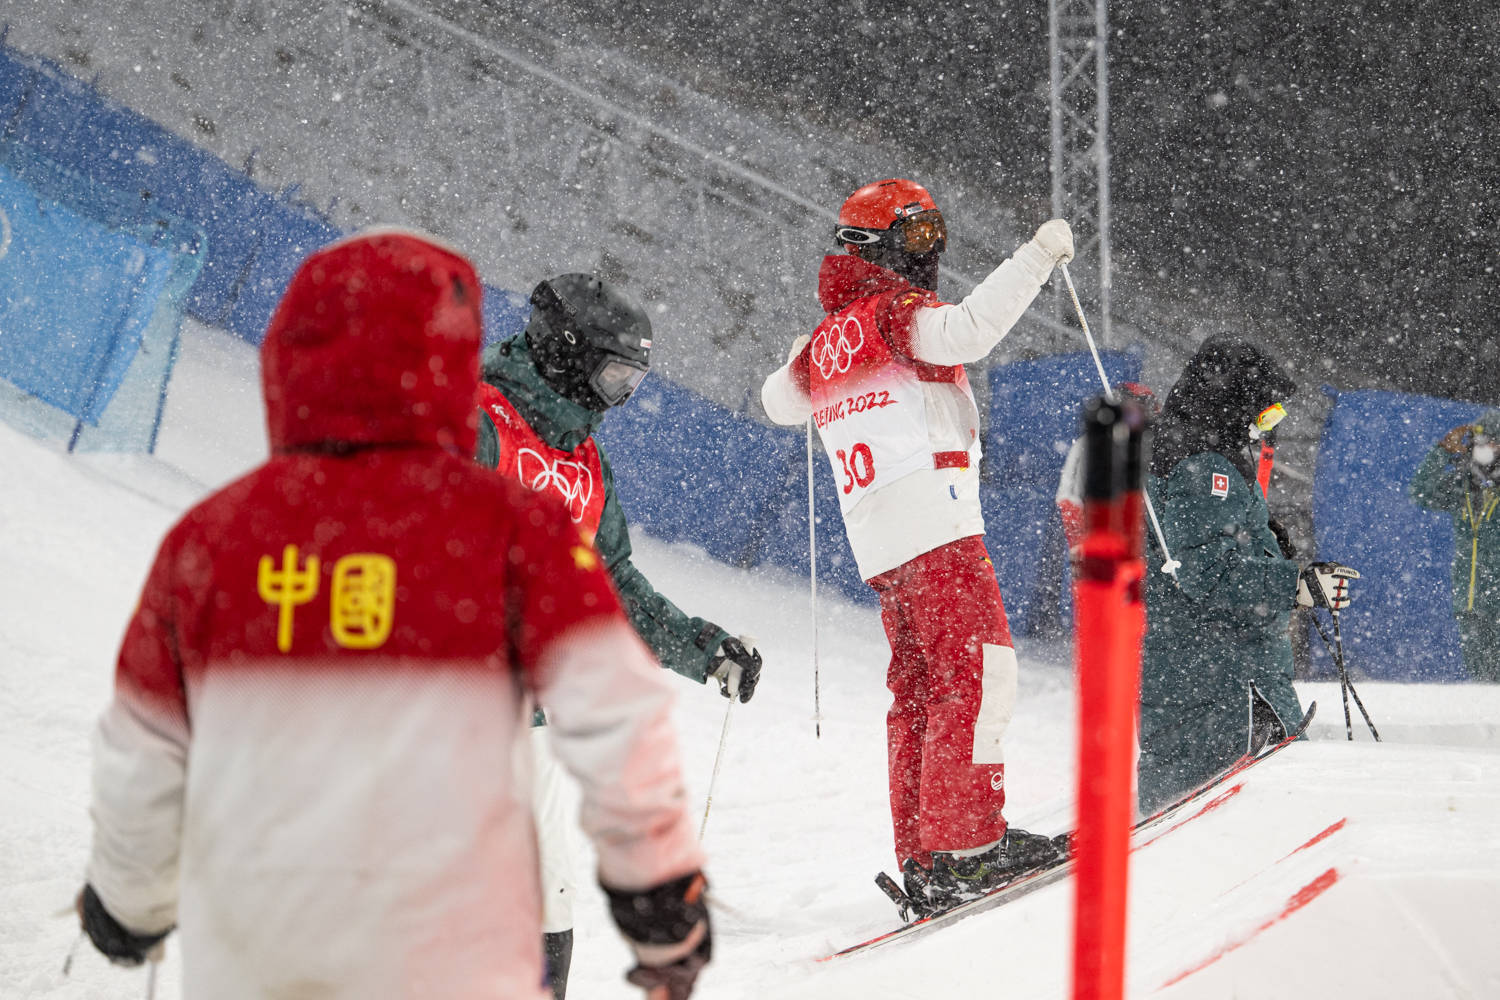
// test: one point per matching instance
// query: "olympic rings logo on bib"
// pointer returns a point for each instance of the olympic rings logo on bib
(571, 480)
(833, 349)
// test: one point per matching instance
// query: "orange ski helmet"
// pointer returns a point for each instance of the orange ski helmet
(893, 214)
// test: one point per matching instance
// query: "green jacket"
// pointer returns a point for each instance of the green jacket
(1442, 484)
(682, 643)
(1223, 624)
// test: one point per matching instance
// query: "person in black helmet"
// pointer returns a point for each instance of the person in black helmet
(543, 393)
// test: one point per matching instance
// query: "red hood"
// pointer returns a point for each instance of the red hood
(376, 341)
(845, 277)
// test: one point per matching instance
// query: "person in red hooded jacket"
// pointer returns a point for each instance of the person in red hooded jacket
(316, 760)
(882, 377)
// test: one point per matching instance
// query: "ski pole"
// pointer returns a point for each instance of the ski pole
(1169, 565)
(72, 950)
(1343, 676)
(151, 964)
(1344, 690)
(1338, 642)
(1345, 684)
(718, 760)
(812, 574)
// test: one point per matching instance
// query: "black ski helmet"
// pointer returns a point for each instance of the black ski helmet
(591, 342)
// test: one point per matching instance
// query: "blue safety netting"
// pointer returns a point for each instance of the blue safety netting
(207, 242)
(255, 238)
(92, 282)
(75, 298)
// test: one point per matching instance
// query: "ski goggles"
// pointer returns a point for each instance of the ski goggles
(920, 232)
(1270, 417)
(616, 379)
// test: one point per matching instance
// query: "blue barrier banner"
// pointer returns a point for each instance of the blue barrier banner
(75, 299)
(1400, 626)
(1036, 410)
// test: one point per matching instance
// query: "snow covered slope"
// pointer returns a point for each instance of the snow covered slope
(1334, 870)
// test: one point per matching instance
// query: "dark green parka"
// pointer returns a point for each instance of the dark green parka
(1442, 483)
(682, 643)
(1225, 621)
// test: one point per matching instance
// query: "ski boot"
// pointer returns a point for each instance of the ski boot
(956, 880)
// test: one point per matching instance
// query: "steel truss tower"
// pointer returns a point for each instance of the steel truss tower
(1077, 30)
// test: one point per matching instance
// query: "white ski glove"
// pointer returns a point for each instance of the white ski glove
(736, 666)
(1325, 585)
(797, 346)
(1056, 239)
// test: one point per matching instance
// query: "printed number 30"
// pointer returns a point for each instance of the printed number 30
(859, 467)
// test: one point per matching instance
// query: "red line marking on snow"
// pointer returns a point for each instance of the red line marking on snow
(1298, 900)
(1329, 831)
(1209, 806)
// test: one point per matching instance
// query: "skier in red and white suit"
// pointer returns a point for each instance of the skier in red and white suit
(316, 760)
(882, 378)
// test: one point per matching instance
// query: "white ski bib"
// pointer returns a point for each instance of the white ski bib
(869, 405)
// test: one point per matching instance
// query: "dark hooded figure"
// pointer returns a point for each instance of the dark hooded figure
(1224, 621)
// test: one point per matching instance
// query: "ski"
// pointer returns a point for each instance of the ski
(1265, 740)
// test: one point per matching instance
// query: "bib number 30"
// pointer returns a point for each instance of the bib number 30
(859, 467)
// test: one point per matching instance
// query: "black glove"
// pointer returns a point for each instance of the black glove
(736, 666)
(120, 946)
(668, 929)
(1325, 585)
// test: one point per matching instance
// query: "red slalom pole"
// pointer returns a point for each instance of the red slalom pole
(1110, 623)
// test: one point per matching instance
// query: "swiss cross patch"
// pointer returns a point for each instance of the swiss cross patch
(1220, 485)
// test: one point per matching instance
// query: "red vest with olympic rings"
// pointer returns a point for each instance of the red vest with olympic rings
(575, 477)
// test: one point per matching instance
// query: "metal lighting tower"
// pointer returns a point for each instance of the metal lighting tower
(1076, 31)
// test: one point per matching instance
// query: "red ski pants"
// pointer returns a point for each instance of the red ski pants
(953, 684)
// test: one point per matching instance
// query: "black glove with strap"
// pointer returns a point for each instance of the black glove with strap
(114, 941)
(736, 666)
(1325, 585)
(668, 929)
